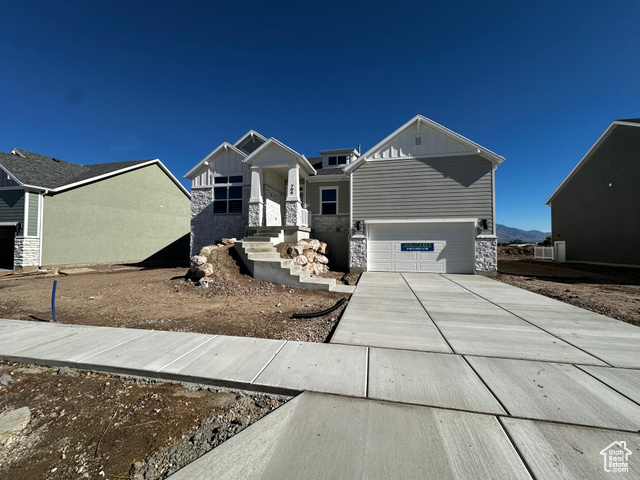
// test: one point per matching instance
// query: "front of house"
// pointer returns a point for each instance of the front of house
(421, 200)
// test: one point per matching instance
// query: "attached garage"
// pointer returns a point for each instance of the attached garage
(436, 246)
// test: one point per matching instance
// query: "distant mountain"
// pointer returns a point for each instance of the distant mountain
(506, 234)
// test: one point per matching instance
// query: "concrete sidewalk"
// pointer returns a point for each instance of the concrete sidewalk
(429, 376)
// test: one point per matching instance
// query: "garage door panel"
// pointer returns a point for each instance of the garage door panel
(453, 247)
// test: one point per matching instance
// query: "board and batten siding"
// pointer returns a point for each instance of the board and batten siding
(32, 215)
(225, 163)
(12, 205)
(415, 188)
(313, 195)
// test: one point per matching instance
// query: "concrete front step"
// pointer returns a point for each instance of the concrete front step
(264, 263)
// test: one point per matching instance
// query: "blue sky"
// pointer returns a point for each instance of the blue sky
(536, 82)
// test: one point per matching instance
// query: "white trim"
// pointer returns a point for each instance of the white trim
(25, 215)
(251, 133)
(207, 160)
(9, 224)
(301, 159)
(337, 189)
(41, 225)
(489, 237)
(488, 154)
(588, 155)
(4, 169)
(493, 195)
(15, 151)
(421, 220)
(155, 161)
(431, 155)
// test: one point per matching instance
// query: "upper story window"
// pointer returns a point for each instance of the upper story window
(336, 160)
(329, 200)
(227, 194)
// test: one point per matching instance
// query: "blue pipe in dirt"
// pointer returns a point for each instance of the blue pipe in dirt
(53, 301)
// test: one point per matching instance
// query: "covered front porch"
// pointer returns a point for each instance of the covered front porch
(277, 201)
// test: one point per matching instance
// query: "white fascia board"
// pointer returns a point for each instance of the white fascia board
(587, 156)
(301, 159)
(480, 150)
(3, 168)
(251, 133)
(211, 156)
(338, 150)
(123, 170)
(8, 224)
(421, 220)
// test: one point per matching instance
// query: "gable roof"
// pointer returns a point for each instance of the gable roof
(253, 135)
(41, 172)
(301, 159)
(478, 149)
(209, 158)
(634, 122)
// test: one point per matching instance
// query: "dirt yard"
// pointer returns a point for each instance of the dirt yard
(161, 299)
(90, 425)
(611, 291)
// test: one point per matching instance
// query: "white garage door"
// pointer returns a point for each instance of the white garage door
(421, 247)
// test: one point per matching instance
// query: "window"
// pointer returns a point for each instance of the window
(227, 194)
(329, 201)
(417, 141)
(337, 160)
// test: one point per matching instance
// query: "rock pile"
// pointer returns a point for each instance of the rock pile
(200, 266)
(310, 254)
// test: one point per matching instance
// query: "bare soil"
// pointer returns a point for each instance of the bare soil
(92, 425)
(160, 298)
(609, 290)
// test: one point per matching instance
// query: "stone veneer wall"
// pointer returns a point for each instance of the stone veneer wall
(26, 252)
(486, 254)
(207, 228)
(358, 253)
(330, 223)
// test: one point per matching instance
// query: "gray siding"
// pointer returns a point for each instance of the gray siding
(33, 214)
(601, 223)
(313, 195)
(11, 205)
(449, 187)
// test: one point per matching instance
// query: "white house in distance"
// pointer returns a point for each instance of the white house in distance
(420, 200)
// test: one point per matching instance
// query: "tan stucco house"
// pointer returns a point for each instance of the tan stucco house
(58, 213)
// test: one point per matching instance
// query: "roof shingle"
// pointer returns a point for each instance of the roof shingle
(48, 172)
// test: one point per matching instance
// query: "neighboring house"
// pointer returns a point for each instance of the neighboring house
(59, 213)
(423, 199)
(596, 210)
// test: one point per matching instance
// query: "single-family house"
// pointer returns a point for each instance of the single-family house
(595, 212)
(59, 213)
(420, 200)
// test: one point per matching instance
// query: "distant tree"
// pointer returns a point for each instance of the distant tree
(517, 240)
(547, 241)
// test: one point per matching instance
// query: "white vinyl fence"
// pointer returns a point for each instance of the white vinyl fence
(543, 253)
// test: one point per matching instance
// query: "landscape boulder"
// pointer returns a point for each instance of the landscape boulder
(310, 255)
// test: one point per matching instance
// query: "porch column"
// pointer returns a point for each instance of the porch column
(256, 202)
(293, 216)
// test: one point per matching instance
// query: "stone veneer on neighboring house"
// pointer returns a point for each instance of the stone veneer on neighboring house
(26, 252)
